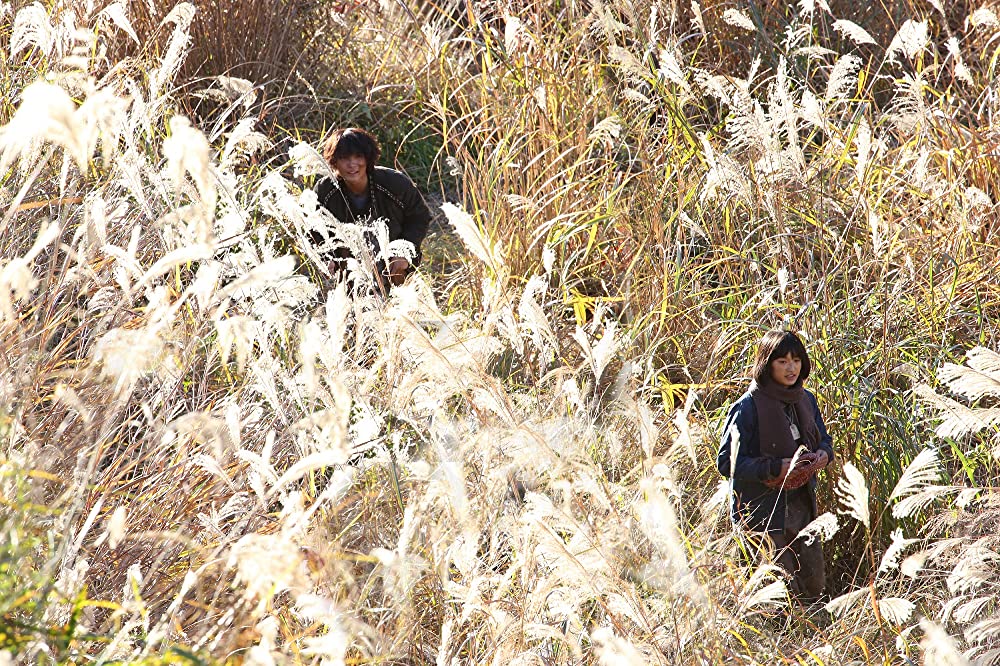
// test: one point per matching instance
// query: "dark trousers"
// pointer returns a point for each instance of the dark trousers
(804, 562)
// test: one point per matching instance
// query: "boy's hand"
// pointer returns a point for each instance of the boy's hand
(397, 270)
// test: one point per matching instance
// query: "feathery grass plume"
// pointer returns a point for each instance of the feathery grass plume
(920, 499)
(267, 564)
(975, 568)
(178, 46)
(533, 319)
(725, 177)
(739, 19)
(823, 526)
(958, 420)
(613, 650)
(490, 253)
(911, 39)
(843, 77)
(46, 113)
(852, 490)
(840, 606)
(982, 17)
(748, 125)
(187, 151)
(243, 141)
(924, 469)
(607, 132)
(32, 27)
(853, 31)
(863, 143)
(671, 70)
(117, 14)
(237, 333)
(598, 355)
(895, 609)
(808, 7)
(306, 161)
(959, 67)
(890, 559)
(658, 520)
(969, 382)
(516, 38)
(17, 280)
(333, 644)
(686, 436)
(969, 611)
(938, 647)
(986, 632)
(756, 595)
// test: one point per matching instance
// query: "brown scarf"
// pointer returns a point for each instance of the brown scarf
(773, 427)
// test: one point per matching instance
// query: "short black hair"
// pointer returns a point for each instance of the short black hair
(776, 344)
(348, 141)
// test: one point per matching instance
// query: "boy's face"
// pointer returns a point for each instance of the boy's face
(785, 370)
(353, 169)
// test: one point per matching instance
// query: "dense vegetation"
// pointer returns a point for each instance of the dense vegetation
(210, 453)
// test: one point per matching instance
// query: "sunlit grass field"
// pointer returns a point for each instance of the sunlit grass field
(213, 453)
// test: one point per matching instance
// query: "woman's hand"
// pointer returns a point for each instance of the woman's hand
(792, 478)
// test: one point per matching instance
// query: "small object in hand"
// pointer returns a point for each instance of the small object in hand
(798, 477)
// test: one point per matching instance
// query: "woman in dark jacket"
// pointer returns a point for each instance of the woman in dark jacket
(364, 193)
(773, 425)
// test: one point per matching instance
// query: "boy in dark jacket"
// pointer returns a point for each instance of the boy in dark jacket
(364, 193)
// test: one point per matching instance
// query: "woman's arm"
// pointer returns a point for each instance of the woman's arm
(740, 434)
(825, 440)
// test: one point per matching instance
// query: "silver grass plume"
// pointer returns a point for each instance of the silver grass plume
(960, 68)
(736, 18)
(853, 492)
(982, 17)
(970, 382)
(958, 420)
(177, 47)
(890, 559)
(823, 526)
(808, 7)
(117, 14)
(840, 606)
(912, 38)
(843, 77)
(980, 379)
(939, 648)
(487, 251)
(853, 31)
(895, 609)
(924, 469)
(32, 28)
(758, 594)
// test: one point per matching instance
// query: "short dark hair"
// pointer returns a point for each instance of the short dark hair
(776, 344)
(348, 141)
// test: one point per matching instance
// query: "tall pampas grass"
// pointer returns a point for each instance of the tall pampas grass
(208, 448)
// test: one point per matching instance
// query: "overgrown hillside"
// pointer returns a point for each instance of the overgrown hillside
(211, 452)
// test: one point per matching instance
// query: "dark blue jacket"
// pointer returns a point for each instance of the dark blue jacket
(762, 508)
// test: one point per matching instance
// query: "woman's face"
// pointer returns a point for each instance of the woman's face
(354, 170)
(785, 370)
